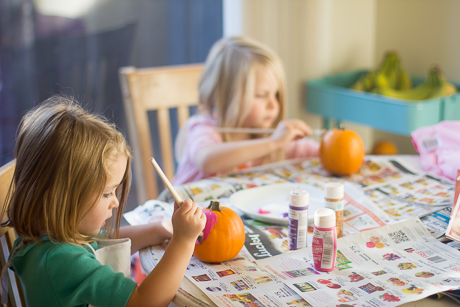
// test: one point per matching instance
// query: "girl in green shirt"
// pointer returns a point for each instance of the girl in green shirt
(68, 195)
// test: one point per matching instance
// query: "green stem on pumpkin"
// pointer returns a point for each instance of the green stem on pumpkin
(214, 205)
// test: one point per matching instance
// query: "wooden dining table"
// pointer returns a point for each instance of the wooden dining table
(204, 190)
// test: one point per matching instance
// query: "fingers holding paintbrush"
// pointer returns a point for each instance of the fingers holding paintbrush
(192, 214)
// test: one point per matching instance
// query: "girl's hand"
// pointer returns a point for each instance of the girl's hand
(188, 221)
(288, 130)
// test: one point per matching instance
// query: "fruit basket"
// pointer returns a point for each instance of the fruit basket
(331, 98)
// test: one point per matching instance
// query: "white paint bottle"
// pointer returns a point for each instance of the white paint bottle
(298, 219)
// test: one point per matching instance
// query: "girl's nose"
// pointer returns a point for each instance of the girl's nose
(272, 102)
(115, 203)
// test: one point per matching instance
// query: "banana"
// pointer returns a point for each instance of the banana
(358, 86)
(390, 69)
(449, 89)
(384, 77)
(364, 83)
(404, 80)
(389, 74)
(392, 80)
(444, 87)
(435, 86)
(382, 80)
(369, 81)
(418, 93)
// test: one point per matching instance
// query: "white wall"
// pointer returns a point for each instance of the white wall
(320, 37)
(314, 38)
(424, 32)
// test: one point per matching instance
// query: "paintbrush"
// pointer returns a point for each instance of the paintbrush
(257, 130)
(171, 189)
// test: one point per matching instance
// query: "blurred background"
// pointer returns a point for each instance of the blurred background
(75, 47)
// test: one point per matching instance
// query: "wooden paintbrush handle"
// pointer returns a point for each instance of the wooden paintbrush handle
(258, 130)
(171, 189)
(168, 184)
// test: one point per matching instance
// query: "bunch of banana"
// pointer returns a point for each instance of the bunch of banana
(434, 86)
(390, 74)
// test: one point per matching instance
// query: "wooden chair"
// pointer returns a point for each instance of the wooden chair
(7, 237)
(157, 89)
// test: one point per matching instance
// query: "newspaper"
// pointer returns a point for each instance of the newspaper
(387, 184)
(424, 196)
(151, 211)
(437, 222)
(374, 171)
(382, 193)
(232, 282)
(360, 213)
(387, 266)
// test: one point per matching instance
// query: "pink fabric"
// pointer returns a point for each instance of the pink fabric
(201, 132)
(439, 148)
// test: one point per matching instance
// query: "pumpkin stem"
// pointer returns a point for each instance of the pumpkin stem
(214, 205)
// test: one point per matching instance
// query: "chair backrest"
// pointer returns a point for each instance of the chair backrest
(157, 89)
(7, 237)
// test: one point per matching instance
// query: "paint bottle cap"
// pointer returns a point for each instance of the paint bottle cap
(333, 190)
(299, 198)
(324, 218)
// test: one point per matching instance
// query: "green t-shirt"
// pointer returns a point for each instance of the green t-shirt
(68, 275)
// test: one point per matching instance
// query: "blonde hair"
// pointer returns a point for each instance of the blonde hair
(226, 86)
(62, 158)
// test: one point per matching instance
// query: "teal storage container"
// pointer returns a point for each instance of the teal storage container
(331, 98)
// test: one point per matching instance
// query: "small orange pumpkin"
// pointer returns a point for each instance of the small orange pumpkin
(385, 147)
(341, 151)
(225, 239)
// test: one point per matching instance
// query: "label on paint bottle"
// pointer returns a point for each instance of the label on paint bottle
(324, 245)
(298, 219)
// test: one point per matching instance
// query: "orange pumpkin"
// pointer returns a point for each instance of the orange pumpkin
(341, 151)
(385, 147)
(225, 239)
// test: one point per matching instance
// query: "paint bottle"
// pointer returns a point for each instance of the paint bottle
(333, 199)
(298, 219)
(324, 246)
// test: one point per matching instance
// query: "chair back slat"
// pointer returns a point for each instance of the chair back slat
(157, 89)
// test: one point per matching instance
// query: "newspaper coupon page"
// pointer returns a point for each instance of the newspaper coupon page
(149, 212)
(239, 281)
(231, 283)
(387, 266)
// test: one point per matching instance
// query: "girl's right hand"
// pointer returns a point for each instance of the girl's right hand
(188, 221)
(289, 130)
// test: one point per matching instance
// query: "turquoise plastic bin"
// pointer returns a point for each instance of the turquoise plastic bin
(331, 98)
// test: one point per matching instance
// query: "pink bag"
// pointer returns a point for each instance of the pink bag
(439, 148)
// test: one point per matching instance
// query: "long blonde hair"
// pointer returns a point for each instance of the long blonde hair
(226, 86)
(62, 155)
